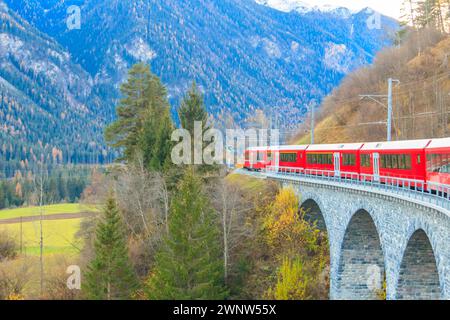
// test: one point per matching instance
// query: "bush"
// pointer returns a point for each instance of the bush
(14, 277)
(8, 246)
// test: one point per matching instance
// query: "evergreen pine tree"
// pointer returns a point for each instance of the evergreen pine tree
(189, 264)
(143, 124)
(124, 132)
(110, 275)
(155, 139)
(193, 110)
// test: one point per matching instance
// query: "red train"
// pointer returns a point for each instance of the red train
(418, 163)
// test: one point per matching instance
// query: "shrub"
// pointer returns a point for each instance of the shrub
(8, 246)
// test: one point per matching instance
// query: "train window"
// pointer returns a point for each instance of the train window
(388, 161)
(269, 156)
(408, 162)
(402, 161)
(419, 160)
(349, 159)
(323, 158)
(438, 163)
(260, 156)
(288, 157)
(394, 161)
(365, 160)
(247, 156)
(320, 159)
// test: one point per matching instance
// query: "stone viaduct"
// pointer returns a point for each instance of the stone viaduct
(377, 238)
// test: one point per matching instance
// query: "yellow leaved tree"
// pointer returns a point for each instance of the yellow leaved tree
(299, 248)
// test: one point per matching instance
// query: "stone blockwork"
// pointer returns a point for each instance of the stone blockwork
(375, 237)
(419, 277)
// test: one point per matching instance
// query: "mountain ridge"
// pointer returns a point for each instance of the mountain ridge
(244, 57)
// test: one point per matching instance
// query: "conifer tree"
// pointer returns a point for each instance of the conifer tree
(193, 110)
(124, 132)
(155, 139)
(110, 275)
(143, 124)
(189, 264)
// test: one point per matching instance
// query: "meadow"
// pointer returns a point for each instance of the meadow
(65, 208)
(59, 235)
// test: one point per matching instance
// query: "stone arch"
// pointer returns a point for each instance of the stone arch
(313, 214)
(418, 277)
(361, 270)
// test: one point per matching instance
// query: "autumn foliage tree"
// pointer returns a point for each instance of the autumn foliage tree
(292, 281)
(299, 248)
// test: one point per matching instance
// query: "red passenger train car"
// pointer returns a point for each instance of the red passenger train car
(398, 159)
(257, 158)
(438, 163)
(416, 163)
(334, 159)
(289, 156)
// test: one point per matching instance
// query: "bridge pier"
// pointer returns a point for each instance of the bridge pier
(378, 238)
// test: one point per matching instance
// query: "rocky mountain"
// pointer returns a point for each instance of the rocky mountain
(244, 55)
(304, 6)
(46, 100)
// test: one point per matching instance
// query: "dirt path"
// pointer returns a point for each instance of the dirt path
(62, 216)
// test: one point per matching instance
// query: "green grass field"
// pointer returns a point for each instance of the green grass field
(247, 182)
(50, 209)
(59, 236)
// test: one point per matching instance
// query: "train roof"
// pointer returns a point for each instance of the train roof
(257, 149)
(397, 145)
(280, 148)
(439, 143)
(291, 147)
(335, 147)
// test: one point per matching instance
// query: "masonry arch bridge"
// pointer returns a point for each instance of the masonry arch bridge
(379, 241)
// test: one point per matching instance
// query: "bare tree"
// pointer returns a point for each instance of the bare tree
(143, 198)
(233, 209)
(40, 180)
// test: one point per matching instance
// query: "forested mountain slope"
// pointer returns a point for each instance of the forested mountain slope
(45, 100)
(59, 87)
(243, 54)
(420, 102)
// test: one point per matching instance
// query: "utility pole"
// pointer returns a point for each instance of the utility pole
(312, 122)
(389, 108)
(41, 215)
(21, 235)
(389, 119)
